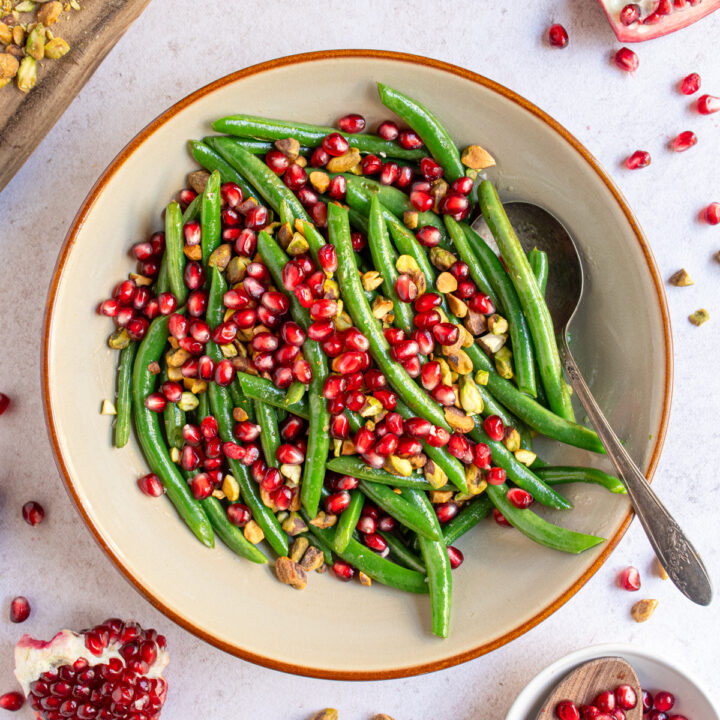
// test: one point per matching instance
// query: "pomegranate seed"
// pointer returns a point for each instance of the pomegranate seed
(482, 456)
(155, 402)
(665, 7)
(359, 241)
(335, 144)
(200, 486)
(388, 130)
(271, 479)
(494, 427)
(639, 159)
(319, 158)
(427, 302)
(337, 188)
(625, 697)
(137, 328)
(387, 398)
(189, 458)
(172, 391)
(124, 292)
(246, 241)
(446, 511)
(109, 308)
(354, 400)
(421, 201)
(276, 302)
(246, 431)
(460, 270)
(375, 380)
(352, 123)
(446, 333)
(367, 525)
(197, 302)
(318, 213)
(629, 579)
(340, 426)
(229, 217)
(150, 485)
(626, 59)
(462, 185)
(430, 169)
(295, 177)
(334, 386)
(292, 275)
(19, 609)
(406, 289)
(605, 701)
(289, 455)
(4, 402)
(500, 519)
(630, 14)
(371, 165)
(481, 303)
(355, 340)
(192, 233)
(389, 173)
(253, 287)
(567, 710)
(231, 193)
(428, 235)
(647, 701)
(245, 319)
(348, 363)
(327, 257)
(684, 141)
(376, 542)
(430, 375)
(224, 373)
(343, 571)
(557, 35)
(708, 104)
(323, 309)
(418, 427)
(276, 161)
(458, 446)
(364, 440)
(258, 271)
(333, 346)
(444, 394)
(239, 514)
(409, 140)
(12, 701)
(437, 437)
(664, 701)
(589, 712)
(497, 476)
(187, 196)
(337, 502)
(387, 445)
(520, 498)
(424, 341)
(711, 215)
(690, 84)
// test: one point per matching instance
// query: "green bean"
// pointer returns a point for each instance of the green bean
(286, 213)
(520, 474)
(239, 400)
(437, 565)
(450, 465)
(428, 127)
(519, 333)
(162, 283)
(537, 529)
(310, 135)
(358, 221)
(466, 519)
(211, 160)
(203, 408)
(153, 445)
(401, 553)
(369, 562)
(559, 475)
(231, 535)
(260, 176)
(174, 249)
(538, 260)
(269, 431)
(258, 388)
(399, 508)
(174, 419)
(124, 394)
(192, 211)
(478, 272)
(355, 467)
(531, 299)
(211, 228)
(362, 316)
(314, 239)
(385, 258)
(262, 147)
(348, 521)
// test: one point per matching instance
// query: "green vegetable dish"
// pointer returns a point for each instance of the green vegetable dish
(326, 367)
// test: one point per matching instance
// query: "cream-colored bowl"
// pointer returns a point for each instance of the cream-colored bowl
(507, 584)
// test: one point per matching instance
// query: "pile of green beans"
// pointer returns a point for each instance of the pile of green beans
(405, 492)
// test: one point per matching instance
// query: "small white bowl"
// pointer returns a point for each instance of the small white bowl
(654, 673)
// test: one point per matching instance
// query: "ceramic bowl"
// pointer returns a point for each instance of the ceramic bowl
(654, 673)
(506, 585)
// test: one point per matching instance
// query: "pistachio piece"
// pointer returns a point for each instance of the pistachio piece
(193, 252)
(476, 158)
(177, 358)
(345, 162)
(497, 324)
(442, 259)
(5, 34)
(231, 488)
(50, 12)
(400, 466)
(492, 343)
(526, 457)
(371, 280)
(289, 147)
(435, 475)
(459, 361)
(475, 481)
(253, 533)
(174, 374)
(236, 268)
(220, 256)
(475, 323)
(660, 570)
(381, 716)
(25, 6)
(35, 45)
(699, 317)
(292, 473)
(294, 525)
(312, 559)
(503, 362)
(284, 235)
(119, 339)
(438, 190)
(298, 245)
(457, 306)
(470, 398)
(319, 180)
(239, 415)
(381, 307)
(437, 497)
(290, 573)
(18, 33)
(406, 264)
(511, 439)
(681, 278)
(107, 408)
(188, 402)
(298, 548)
(323, 520)
(364, 579)
(343, 322)
(411, 219)
(642, 610)
(153, 368)
(446, 283)
(418, 461)
(326, 714)
(9, 66)
(458, 420)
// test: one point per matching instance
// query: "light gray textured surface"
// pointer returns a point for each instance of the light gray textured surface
(177, 46)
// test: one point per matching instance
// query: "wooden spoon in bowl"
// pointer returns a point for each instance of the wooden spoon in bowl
(586, 682)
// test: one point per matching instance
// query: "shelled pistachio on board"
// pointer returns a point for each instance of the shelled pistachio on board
(26, 39)
(332, 714)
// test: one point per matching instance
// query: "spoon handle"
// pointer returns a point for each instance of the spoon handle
(674, 551)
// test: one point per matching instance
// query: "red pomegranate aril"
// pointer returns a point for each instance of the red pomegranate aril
(257, 218)
(229, 217)
(271, 480)
(246, 243)
(626, 60)
(446, 333)
(455, 556)
(224, 333)
(462, 185)
(231, 193)
(408, 447)
(316, 283)
(192, 434)
(388, 130)
(282, 497)
(494, 427)
(253, 287)
(418, 427)
(289, 454)
(110, 307)
(200, 486)
(196, 303)
(343, 571)
(333, 346)
(352, 123)
(405, 349)
(394, 335)
(141, 298)
(437, 437)
(421, 201)
(605, 701)
(500, 519)
(430, 169)
(375, 380)
(406, 289)
(124, 292)
(444, 394)
(629, 579)
(171, 390)
(708, 104)
(295, 177)
(348, 362)
(364, 440)
(276, 161)
(427, 302)
(224, 373)
(143, 251)
(337, 188)
(268, 318)
(337, 502)
(375, 542)
(711, 214)
(557, 36)
(333, 387)
(496, 476)
(459, 270)
(625, 697)
(200, 331)
(431, 375)
(639, 159)
(371, 165)
(684, 141)
(245, 319)
(137, 328)
(458, 446)
(189, 458)
(194, 347)
(521, 499)
(275, 302)
(354, 400)
(323, 309)
(319, 158)
(387, 398)
(19, 609)
(292, 275)
(258, 271)
(647, 702)
(465, 290)
(124, 315)
(150, 485)
(236, 299)
(481, 303)
(664, 701)
(339, 426)
(192, 233)
(428, 235)
(589, 712)
(630, 14)
(390, 173)
(12, 701)
(409, 140)
(149, 268)
(318, 214)
(367, 525)
(155, 402)
(282, 377)
(690, 84)
(446, 511)
(335, 144)
(567, 710)
(412, 366)
(186, 196)
(454, 203)
(424, 341)
(246, 431)
(387, 445)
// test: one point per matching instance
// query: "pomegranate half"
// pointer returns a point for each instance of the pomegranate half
(653, 22)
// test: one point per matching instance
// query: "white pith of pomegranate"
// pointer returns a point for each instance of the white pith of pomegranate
(110, 672)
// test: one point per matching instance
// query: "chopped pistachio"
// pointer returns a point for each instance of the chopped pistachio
(299, 227)
(477, 158)
(193, 252)
(324, 520)
(364, 579)
(284, 234)
(312, 559)
(326, 714)
(220, 256)
(9, 66)
(5, 34)
(418, 461)
(497, 324)
(292, 473)
(526, 457)
(482, 377)
(239, 414)
(400, 466)
(50, 12)
(298, 245)
(229, 350)
(56, 48)
(442, 259)
(197, 180)
(119, 339)
(343, 322)
(107, 408)
(371, 280)
(445, 372)
(18, 33)
(298, 548)
(331, 290)
(437, 497)
(503, 362)
(411, 219)
(290, 573)
(177, 357)
(154, 367)
(457, 306)
(74, 4)
(511, 439)
(435, 475)
(660, 570)
(406, 264)
(470, 398)
(174, 374)
(458, 420)
(175, 454)
(642, 610)
(699, 317)
(236, 268)
(231, 488)
(446, 283)
(458, 360)
(438, 191)
(319, 180)
(475, 481)
(141, 280)
(188, 402)
(25, 6)
(475, 323)
(381, 307)
(492, 343)
(35, 44)
(681, 278)
(294, 525)
(345, 162)
(253, 533)
(289, 147)
(371, 408)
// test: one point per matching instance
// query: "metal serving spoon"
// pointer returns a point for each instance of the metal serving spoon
(535, 227)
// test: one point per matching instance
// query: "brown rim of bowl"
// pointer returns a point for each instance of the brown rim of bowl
(313, 57)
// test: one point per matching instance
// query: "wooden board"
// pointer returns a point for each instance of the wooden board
(25, 119)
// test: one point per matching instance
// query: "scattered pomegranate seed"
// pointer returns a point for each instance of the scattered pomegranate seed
(630, 14)
(626, 60)
(557, 35)
(712, 213)
(684, 141)
(629, 579)
(335, 144)
(664, 701)
(421, 201)
(520, 498)
(567, 710)
(409, 140)
(446, 511)
(455, 556)
(150, 485)
(33, 513)
(343, 571)
(500, 519)
(239, 514)
(647, 701)
(4, 402)
(388, 130)
(639, 159)
(19, 609)
(590, 712)
(12, 701)
(708, 104)
(352, 123)
(690, 84)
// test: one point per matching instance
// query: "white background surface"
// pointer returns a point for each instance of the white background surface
(177, 46)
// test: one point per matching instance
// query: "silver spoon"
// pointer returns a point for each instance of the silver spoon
(535, 227)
